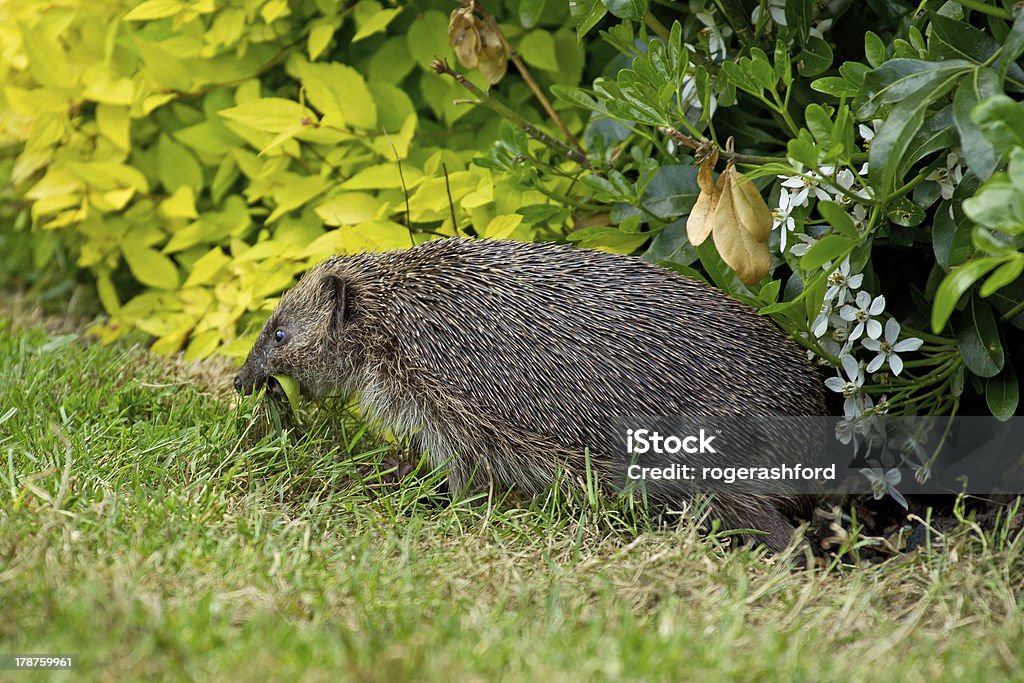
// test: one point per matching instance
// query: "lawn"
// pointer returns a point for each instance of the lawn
(159, 531)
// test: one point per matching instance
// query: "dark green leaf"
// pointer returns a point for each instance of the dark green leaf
(671, 245)
(900, 79)
(585, 14)
(578, 96)
(1013, 46)
(978, 151)
(815, 58)
(529, 11)
(828, 248)
(1002, 394)
(835, 86)
(799, 14)
(977, 337)
(953, 286)
(722, 276)
(905, 213)
(837, 218)
(898, 130)
(1001, 121)
(874, 49)
(627, 9)
(936, 133)
(951, 232)
(672, 191)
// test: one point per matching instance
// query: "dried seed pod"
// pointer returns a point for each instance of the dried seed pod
(464, 36)
(736, 243)
(700, 220)
(478, 42)
(491, 55)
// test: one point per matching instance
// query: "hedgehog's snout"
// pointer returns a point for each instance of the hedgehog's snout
(248, 381)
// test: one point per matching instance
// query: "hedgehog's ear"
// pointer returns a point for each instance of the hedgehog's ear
(341, 298)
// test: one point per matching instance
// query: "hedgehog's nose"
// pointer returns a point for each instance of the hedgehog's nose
(238, 383)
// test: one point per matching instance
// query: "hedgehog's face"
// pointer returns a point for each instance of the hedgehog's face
(302, 339)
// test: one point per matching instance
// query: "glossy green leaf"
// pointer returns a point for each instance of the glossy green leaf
(585, 14)
(826, 249)
(1002, 394)
(627, 9)
(977, 337)
(291, 391)
(954, 285)
(977, 150)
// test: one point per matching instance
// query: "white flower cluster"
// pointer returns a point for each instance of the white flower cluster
(842, 187)
(848, 316)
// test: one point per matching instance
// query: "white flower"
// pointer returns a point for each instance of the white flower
(782, 219)
(801, 247)
(845, 179)
(850, 387)
(804, 185)
(888, 347)
(841, 282)
(776, 9)
(883, 482)
(716, 41)
(862, 314)
(688, 96)
(949, 177)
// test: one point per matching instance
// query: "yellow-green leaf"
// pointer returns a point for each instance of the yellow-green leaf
(207, 267)
(339, 92)
(502, 226)
(295, 194)
(269, 114)
(181, 204)
(115, 91)
(149, 266)
(177, 167)
(349, 208)
(163, 68)
(154, 9)
(291, 391)
(383, 177)
(319, 37)
(114, 124)
(370, 18)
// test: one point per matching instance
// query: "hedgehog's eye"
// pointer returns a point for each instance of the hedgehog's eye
(281, 336)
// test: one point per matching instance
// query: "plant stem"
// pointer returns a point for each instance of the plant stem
(985, 8)
(656, 26)
(701, 145)
(441, 66)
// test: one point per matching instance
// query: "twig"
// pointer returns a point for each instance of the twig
(441, 66)
(405, 188)
(705, 147)
(451, 204)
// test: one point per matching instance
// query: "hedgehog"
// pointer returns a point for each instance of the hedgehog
(508, 363)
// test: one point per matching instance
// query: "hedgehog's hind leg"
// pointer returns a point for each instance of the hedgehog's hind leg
(754, 512)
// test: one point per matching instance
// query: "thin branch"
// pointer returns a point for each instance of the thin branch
(451, 204)
(704, 148)
(441, 66)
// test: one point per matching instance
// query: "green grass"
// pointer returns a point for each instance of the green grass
(147, 527)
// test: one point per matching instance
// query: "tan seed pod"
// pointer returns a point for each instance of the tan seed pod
(464, 36)
(737, 246)
(492, 57)
(700, 220)
(753, 214)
